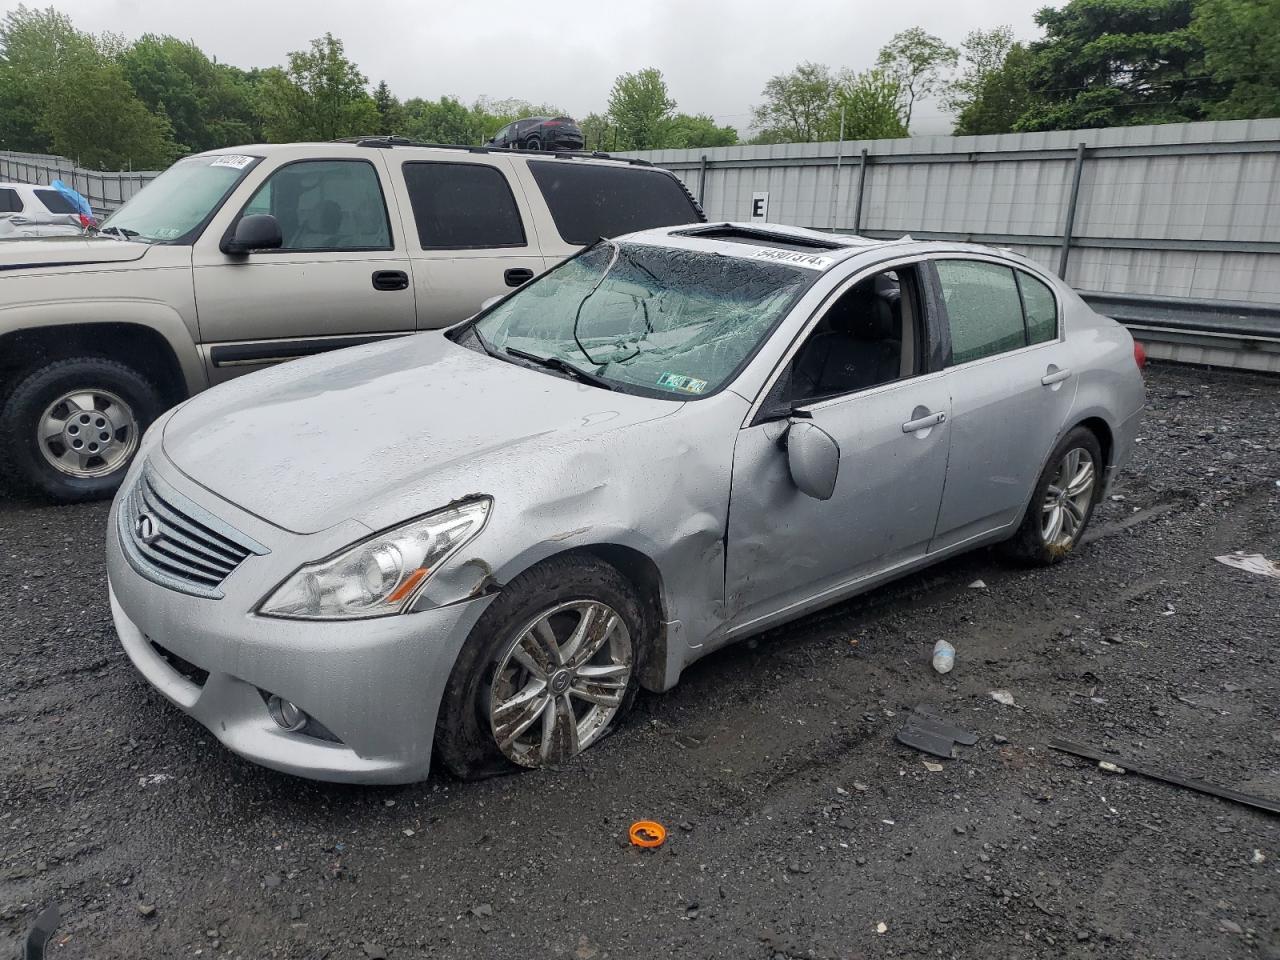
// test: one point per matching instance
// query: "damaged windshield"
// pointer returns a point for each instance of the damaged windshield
(671, 322)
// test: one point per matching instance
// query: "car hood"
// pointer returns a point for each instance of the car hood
(67, 251)
(409, 422)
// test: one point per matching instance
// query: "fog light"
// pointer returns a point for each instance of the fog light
(286, 714)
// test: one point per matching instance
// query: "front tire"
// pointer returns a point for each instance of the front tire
(533, 143)
(548, 670)
(1063, 501)
(70, 429)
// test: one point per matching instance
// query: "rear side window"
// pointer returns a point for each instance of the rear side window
(55, 202)
(983, 309)
(10, 202)
(589, 201)
(462, 206)
(1041, 309)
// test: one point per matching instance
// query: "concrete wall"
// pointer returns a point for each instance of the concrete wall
(1185, 210)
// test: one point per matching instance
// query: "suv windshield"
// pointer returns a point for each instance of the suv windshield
(174, 205)
(658, 320)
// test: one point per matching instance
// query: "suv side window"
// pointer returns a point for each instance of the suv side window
(55, 202)
(984, 309)
(593, 200)
(10, 202)
(462, 206)
(326, 205)
(1041, 308)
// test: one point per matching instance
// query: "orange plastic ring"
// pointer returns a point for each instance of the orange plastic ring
(646, 833)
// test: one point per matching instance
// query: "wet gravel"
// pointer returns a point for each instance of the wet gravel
(798, 827)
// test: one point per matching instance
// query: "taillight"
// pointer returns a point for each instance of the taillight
(1139, 355)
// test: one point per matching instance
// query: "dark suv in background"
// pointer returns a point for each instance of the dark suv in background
(539, 133)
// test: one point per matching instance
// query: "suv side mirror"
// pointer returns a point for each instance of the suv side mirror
(813, 458)
(258, 231)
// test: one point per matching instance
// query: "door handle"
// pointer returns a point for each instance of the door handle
(1057, 376)
(390, 280)
(517, 276)
(925, 422)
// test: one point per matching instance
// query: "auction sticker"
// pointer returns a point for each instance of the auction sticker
(794, 258)
(674, 381)
(235, 161)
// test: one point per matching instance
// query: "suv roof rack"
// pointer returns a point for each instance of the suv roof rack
(385, 142)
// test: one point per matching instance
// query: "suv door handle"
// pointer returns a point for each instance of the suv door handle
(390, 280)
(925, 422)
(517, 276)
(1055, 376)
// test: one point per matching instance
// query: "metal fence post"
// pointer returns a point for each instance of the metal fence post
(1070, 223)
(702, 181)
(862, 188)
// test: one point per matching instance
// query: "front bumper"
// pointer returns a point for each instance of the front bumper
(375, 684)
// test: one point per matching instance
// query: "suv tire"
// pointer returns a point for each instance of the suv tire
(104, 407)
(486, 673)
(533, 143)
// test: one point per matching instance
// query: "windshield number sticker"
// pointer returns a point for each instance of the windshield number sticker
(810, 260)
(235, 161)
(673, 381)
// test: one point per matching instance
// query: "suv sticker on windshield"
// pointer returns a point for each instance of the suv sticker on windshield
(232, 160)
(810, 260)
(674, 381)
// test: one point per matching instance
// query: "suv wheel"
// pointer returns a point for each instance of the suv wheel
(71, 428)
(533, 143)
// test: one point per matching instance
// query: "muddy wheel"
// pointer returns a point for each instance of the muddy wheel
(1063, 502)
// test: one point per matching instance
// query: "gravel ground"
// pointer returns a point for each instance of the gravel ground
(798, 826)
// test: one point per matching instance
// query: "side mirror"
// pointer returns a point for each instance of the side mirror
(258, 231)
(813, 458)
(490, 302)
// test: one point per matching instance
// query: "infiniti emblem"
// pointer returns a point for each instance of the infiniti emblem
(147, 528)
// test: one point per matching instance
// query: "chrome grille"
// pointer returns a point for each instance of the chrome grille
(177, 543)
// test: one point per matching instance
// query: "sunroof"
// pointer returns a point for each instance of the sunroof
(787, 241)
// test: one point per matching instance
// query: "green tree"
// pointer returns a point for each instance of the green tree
(447, 120)
(797, 106)
(920, 62)
(320, 96)
(390, 111)
(1002, 99)
(686, 131)
(1241, 41)
(640, 107)
(982, 53)
(1105, 63)
(596, 132)
(873, 105)
(203, 101)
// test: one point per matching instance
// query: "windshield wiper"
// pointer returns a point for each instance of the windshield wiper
(555, 363)
(124, 233)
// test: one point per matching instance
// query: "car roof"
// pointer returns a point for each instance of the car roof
(360, 147)
(815, 249)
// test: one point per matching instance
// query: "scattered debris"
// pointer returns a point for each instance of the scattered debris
(151, 779)
(647, 833)
(407, 831)
(944, 656)
(1003, 696)
(586, 950)
(882, 927)
(374, 952)
(146, 910)
(978, 585)
(1110, 767)
(929, 732)
(1259, 856)
(1251, 563)
(1124, 764)
(933, 767)
(482, 910)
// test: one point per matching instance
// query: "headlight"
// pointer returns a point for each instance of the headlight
(378, 576)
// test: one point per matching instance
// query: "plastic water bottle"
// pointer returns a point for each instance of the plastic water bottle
(944, 656)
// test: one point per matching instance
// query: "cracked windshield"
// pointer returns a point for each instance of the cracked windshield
(667, 321)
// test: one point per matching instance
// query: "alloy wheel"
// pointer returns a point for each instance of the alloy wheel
(87, 433)
(1066, 502)
(560, 683)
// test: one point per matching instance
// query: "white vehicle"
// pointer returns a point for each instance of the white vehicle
(27, 211)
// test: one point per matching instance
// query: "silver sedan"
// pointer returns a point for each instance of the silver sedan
(487, 539)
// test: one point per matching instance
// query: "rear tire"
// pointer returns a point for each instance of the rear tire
(485, 689)
(1063, 501)
(70, 429)
(533, 143)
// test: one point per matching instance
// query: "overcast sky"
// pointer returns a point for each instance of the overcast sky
(715, 54)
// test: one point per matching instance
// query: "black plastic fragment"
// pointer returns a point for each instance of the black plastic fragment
(936, 744)
(41, 933)
(928, 731)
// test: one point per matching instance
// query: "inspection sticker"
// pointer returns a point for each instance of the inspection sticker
(235, 161)
(673, 381)
(810, 260)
